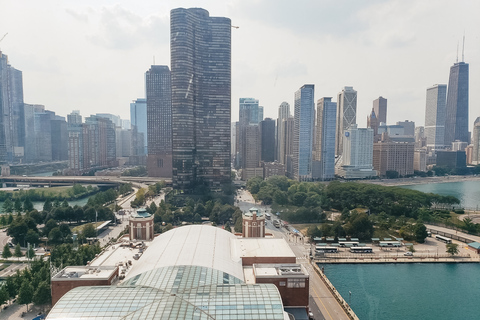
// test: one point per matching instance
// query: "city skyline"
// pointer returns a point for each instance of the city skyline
(398, 61)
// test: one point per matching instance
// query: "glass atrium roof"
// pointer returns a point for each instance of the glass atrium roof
(176, 292)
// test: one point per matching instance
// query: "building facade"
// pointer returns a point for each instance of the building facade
(12, 129)
(357, 158)
(346, 115)
(303, 132)
(325, 141)
(267, 131)
(456, 110)
(476, 142)
(138, 122)
(159, 121)
(435, 116)
(389, 155)
(283, 113)
(201, 98)
(380, 108)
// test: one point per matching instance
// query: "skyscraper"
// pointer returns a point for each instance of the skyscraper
(12, 133)
(159, 121)
(267, 131)
(201, 97)
(380, 108)
(249, 111)
(357, 158)
(456, 120)
(138, 121)
(283, 113)
(303, 131)
(476, 142)
(435, 116)
(346, 115)
(325, 142)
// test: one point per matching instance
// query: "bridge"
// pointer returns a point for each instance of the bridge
(56, 181)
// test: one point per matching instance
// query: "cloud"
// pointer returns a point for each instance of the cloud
(121, 29)
(82, 17)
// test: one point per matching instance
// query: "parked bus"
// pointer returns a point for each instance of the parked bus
(268, 216)
(390, 244)
(361, 250)
(322, 249)
(443, 239)
(344, 244)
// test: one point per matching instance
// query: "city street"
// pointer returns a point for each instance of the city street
(325, 306)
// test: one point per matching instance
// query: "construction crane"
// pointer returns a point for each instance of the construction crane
(235, 27)
(3, 37)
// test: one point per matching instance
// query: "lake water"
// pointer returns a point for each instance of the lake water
(425, 291)
(468, 192)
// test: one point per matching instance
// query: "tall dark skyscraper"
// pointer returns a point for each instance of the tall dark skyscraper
(380, 108)
(267, 130)
(201, 97)
(159, 121)
(456, 120)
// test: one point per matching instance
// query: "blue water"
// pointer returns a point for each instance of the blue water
(409, 291)
(468, 192)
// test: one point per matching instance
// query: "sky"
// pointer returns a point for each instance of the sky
(91, 55)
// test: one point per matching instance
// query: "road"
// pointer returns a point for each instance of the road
(325, 306)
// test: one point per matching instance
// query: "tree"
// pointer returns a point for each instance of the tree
(47, 206)
(452, 248)
(32, 237)
(18, 251)
(411, 249)
(3, 295)
(55, 235)
(18, 205)
(42, 294)
(25, 295)
(6, 252)
(420, 232)
(27, 205)
(89, 231)
(8, 205)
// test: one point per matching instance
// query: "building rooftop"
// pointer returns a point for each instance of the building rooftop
(198, 245)
(84, 273)
(280, 271)
(260, 247)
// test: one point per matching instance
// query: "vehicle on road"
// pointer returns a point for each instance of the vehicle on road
(276, 223)
(324, 249)
(361, 250)
(443, 239)
(409, 254)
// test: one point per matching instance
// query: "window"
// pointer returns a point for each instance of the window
(296, 283)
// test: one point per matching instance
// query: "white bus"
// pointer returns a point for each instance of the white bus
(268, 216)
(361, 250)
(276, 223)
(443, 239)
(324, 249)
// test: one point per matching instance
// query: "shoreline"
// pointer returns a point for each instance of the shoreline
(420, 180)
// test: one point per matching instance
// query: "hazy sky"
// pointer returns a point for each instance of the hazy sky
(91, 55)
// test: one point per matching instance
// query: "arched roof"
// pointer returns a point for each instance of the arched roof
(195, 245)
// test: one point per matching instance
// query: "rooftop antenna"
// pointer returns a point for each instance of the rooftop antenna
(457, 53)
(463, 47)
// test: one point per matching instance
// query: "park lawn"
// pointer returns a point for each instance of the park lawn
(303, 227)
(52, 192)
(78, 229)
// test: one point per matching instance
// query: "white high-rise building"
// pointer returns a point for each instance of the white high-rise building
(283, 113)
(357, 154)
(346, 115)
(435, 116)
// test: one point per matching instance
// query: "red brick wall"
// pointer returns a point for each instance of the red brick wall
(291, 297)
(248, 261)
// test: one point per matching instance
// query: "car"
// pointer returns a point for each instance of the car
(409, 254)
